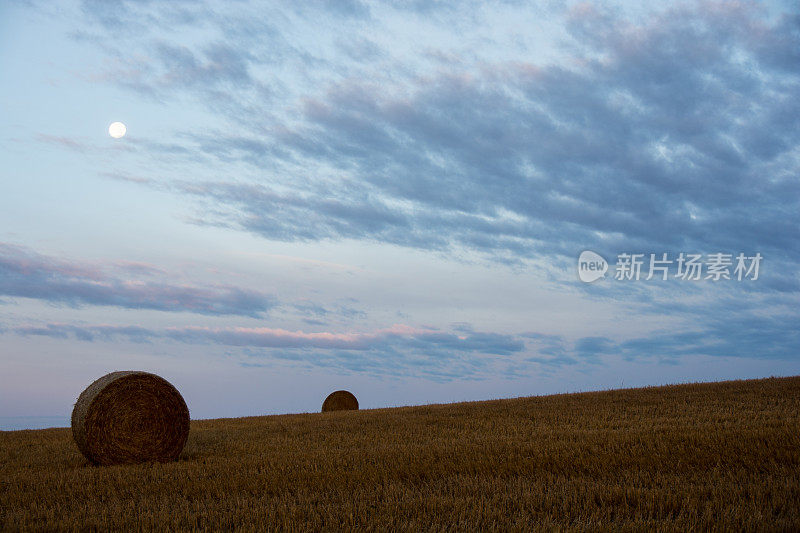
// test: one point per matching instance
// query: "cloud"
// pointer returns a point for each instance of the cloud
(100, 332)
(646, 131)
(26, 274)
(219, 64)
(714, 330)
(463, 352)
(398, 335)
(674, 130)
(314, 309)
(64, 142)
(399, 349)
(727, 335)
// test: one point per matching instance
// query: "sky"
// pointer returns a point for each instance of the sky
(392, 198)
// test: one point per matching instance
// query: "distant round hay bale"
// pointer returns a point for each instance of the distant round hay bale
(341, 400)
(130, 417)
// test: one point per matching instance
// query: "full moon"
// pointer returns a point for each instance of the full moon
(117, 129)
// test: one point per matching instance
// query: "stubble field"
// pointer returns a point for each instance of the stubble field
(701, 456)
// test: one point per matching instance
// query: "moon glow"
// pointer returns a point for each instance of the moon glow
(117, 130)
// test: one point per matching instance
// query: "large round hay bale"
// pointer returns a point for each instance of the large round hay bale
(130, 417)
(341, 400)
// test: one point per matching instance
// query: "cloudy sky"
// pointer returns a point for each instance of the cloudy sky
(393, 198)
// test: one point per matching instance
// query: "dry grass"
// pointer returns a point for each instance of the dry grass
(711, 456)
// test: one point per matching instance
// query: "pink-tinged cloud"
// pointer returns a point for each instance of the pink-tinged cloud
(398, 337)
(66, 142)
(280, 338)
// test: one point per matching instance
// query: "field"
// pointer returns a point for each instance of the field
(699, 456)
